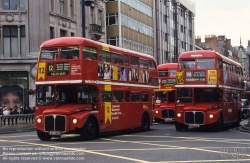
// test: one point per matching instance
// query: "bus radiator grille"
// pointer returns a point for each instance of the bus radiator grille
(194, 117)
(60, 123)
(167, 113)
(55, 123)
(49, 123)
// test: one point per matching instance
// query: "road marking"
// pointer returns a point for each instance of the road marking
(231, 160)
(77, 150)
(232, 141)
(241, 132)
(15, 136)
(171, 146)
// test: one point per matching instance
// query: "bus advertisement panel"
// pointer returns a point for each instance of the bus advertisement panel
(165, 96)
(209, 89)
(87, 87)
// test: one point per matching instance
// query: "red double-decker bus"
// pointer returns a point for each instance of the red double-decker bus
(209, 88)
(245, 102)
(87, 87)
(165, 95)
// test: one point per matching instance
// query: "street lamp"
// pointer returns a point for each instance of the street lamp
(85, 3)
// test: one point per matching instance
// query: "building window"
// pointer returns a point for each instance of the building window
(62, 7)
(91, 20)
(51, 32)
(10, 41)
(9, 4)
(113, 41)
(63, 33)
(51, 6)
(112, 19)
(22, 5)
(72, 34)
(99, 17)
(22, 41)
(166, 37)
(71, 8)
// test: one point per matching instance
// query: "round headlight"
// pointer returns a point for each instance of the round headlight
(156, 111)
(74, 121)
(38, 120)
(179, 115)
(211, 115)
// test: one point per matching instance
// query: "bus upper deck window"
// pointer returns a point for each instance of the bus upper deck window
(89, 53)
(105, 56)
(117, 58)
(125, 59)
(71, 52)
(49, 54)
(143, 63)
(134, 61)
(151, 65)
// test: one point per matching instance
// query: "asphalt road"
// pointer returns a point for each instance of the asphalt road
(161, 144)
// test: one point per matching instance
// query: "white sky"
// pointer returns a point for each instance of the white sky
(223, 17)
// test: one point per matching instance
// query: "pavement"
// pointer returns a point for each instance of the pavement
(16, 128)
(244, 126)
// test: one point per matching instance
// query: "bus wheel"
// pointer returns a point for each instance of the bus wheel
(89, 130)
(178, 126)
(43, 135)
(145, 123)
(218, 126)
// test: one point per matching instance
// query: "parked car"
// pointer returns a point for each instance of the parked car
(245, 108)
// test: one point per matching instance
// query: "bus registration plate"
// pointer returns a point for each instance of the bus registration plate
(55, 132)
(194, 125)
(167, 119)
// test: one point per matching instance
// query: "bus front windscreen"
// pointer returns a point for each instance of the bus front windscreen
(184, 95)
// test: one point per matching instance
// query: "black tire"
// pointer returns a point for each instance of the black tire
(43, 135)
(178, 126)
(218, 125)
(89, 129)
(145, 124)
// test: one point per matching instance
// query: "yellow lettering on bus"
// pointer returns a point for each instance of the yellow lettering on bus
(41, 70)
(180, 77)
(212, 76)
(108, 111)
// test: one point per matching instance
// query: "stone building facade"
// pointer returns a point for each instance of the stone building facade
(25, 24)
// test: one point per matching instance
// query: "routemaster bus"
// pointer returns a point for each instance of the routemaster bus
(209, 88)
(245, 103)
(165, 95)
(87, 87)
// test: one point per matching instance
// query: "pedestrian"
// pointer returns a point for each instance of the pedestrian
(5, 111)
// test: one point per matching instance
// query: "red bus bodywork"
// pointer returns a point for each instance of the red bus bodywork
(209, 87)
(165, 96)
(73, 77)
